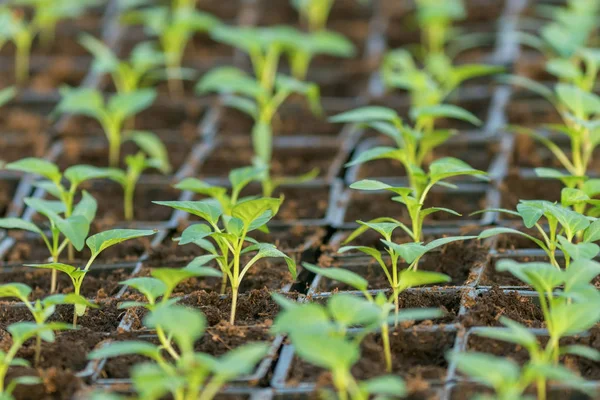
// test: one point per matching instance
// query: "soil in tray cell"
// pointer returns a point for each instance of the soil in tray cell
(515, 188)
(365, 206)
(477, 155)
(510, 242)
(217, 340)
(585, 368)
(256, 307)
(300, 203)
(99, 283)
(491, 277)
(457, 260)
(487, 308)
(466, 391)
(291, 241)
(7, 192)
(49, 73)
(291, 120)
(531, 112)
(415, 354)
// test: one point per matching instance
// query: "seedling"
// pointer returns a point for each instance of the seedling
(189, 375)
(111, 115)
(161, 285)
(20, 333)
(508, 380)
(229, 232)
(96, 244)
(565, 227)
(314, 12)
(173, 27)
(380, 303)
(321, 336)
(41, 310)
(152, 154)
(260, 96)
(21, 33)
(127, 75)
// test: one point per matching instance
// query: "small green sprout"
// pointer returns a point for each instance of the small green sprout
(174, 28)
(96, 244)
(161, 284)
(320, 335)
(20, 333)
(261, 96)
(127, 75)
(435, 20)
(111, 114)
(314, 12)
(152, 154)
(229, 232)
(189, 375)
(41, 310)
(380, 306)
(565, 228)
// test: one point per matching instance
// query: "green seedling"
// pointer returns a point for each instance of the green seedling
(229, 235)
(380, 302)
(508, 380)
(111, 115)
(41, 310)
(20, 333)
(152, 154)
(413, 146)
(260, 96)
(128, 75)
(314, 12)
(568, 311)
(436, 22)
(161, 285)
(320, 335)
(16, 29)
(96, 244)
(565, 228)
(190, 375)
(174, 28)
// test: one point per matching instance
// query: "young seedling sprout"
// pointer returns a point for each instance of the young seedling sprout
(41, 310)
(111, 115)
(96, 244)
(173, 27)
(382, 303)
(128, 75)
(229, 230)
(191, 374)
(67, 218)
(20, 333)
(314, 12)
(260, 96)
(152, 154)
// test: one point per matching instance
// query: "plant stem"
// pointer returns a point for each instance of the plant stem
(385, 336)
(210, 391)
(38, 350)
(234, 296)
(541, 389)
(128, 198)
(223, 283)
(114, 149)
(166, 343)
(22, 58)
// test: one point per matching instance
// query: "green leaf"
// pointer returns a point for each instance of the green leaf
(416, 314)
(411, 278)
(240, 177)
(386, 385)
(580, 272)
(37, 166)
(444, 111)
(128, 104)
(577, 100)
(194, 233)
(83, 101)
(367, 114)
(103, 240)
(378, 153)
(332, 353)
(579, 251)
(582, 351)
(78, 174)
(170, 319)
(255, 213)
(592, 233)
(171, 277)
(267, 250)
(571, 196)
(341, 275)
(86, 207)
(315, 319)
(513, 332)
(240, 361)
(202, 209)
(447, 167)
(572, 318)
(493, 371)
(151, 288)
(200, 187)
(230, 80)
(543, 277)
(408, 251)
(17, 223)
(124, 348)
(153, 147)
(349, 310)
(18, 290)
(7, 94)
(105, 60)
(501, 230)
(75, 273)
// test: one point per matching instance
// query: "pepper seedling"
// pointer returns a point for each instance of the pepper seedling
(314, 12)
(161, 284)
(173, 27)
(152, 154)
(96, 244)
(229, 232)
(408, 279)
(261, 95)
(509, 380)
(110, 114)
(41, 310)
(321, 336)
(190, 375)
(128, 75)
(565, 227)
(20, 333)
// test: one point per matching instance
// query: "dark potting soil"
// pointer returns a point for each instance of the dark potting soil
(217, 340)
(515, 188)
(454, 261)
(510, 242)
(531, 112)
(7, 192)
(365, 207)
(286, 161)
(586, 368)
(57, 384)
(256, 307)
(15, 146)
(487, 308)
(98, 283)
(414, 355)
(26, 120)
(491, 277)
